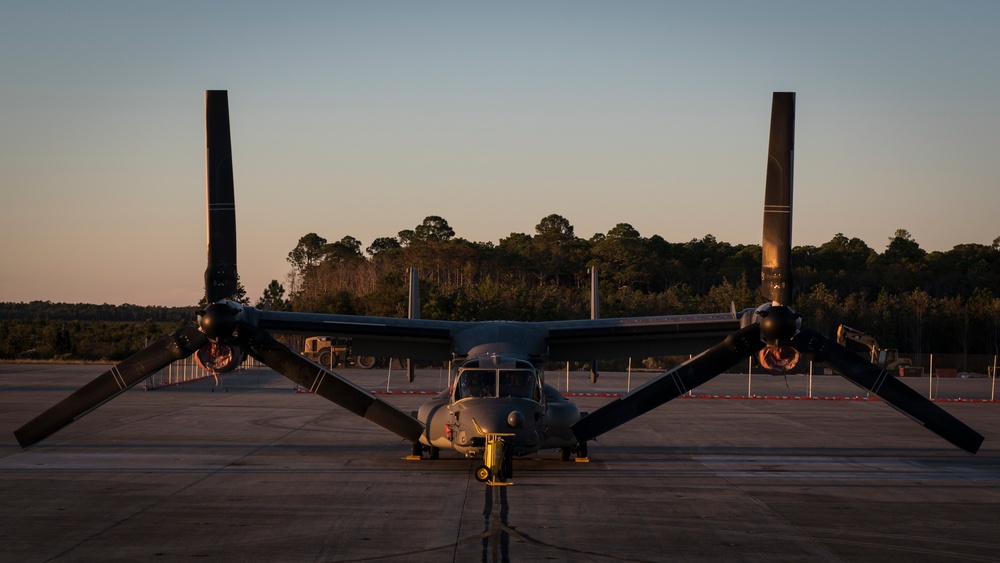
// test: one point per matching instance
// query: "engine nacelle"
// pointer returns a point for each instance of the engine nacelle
(219, 357)
(779, 359)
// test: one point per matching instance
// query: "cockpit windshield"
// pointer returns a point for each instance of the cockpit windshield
(486, 382)
(476, 383)
(517, 383)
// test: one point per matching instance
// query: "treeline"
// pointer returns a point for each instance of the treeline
(81, 331)
(907, 298)
(41, 339)
(49, 311)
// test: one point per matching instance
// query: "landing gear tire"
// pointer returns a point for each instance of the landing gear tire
(564, 454)
(434, 453)
(581, 451)
(482, 474)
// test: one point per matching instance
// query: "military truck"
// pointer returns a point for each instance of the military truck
(330, 351)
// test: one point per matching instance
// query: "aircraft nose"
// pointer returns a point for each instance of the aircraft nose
(515, 419)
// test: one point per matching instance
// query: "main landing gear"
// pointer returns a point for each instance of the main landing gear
(581, 453)
(417, 452)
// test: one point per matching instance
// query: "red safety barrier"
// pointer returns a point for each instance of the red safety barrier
(698, 396)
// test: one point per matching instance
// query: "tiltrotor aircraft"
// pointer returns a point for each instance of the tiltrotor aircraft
(499, 405)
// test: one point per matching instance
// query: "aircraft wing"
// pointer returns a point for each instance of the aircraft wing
(371, 336)
(583, 339)
(434, 340)
(637, 337)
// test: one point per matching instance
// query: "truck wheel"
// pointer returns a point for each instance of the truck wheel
(365, 362)
(326, 357)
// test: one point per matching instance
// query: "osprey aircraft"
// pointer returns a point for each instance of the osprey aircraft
(499, 406)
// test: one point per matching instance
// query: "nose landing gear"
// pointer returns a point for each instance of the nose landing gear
(498, 463)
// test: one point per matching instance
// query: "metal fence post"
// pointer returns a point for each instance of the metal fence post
(930, 380)
(993, 386)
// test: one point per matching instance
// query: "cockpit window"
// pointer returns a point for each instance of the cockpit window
(476, 383)
(517, 384)
(483, 383)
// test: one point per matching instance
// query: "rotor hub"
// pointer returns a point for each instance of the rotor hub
(219, 320)
(778, 323)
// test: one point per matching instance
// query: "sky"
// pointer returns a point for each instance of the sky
(363, 118)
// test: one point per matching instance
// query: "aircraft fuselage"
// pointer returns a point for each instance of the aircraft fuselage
(496, 395)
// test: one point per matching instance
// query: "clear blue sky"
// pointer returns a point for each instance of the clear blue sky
(362, 118)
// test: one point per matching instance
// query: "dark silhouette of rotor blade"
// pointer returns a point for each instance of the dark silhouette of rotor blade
(736, 347)
(109, 384)
(220, 276)
(329, 385)
(889, 389)
(776, 269)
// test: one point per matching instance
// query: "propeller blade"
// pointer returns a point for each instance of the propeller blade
(736, 347)
(329, 385)
(111, 383)
(220, 276)
(889, 389)
(776, 269)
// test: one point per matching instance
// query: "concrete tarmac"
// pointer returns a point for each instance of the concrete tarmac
(250, 470)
